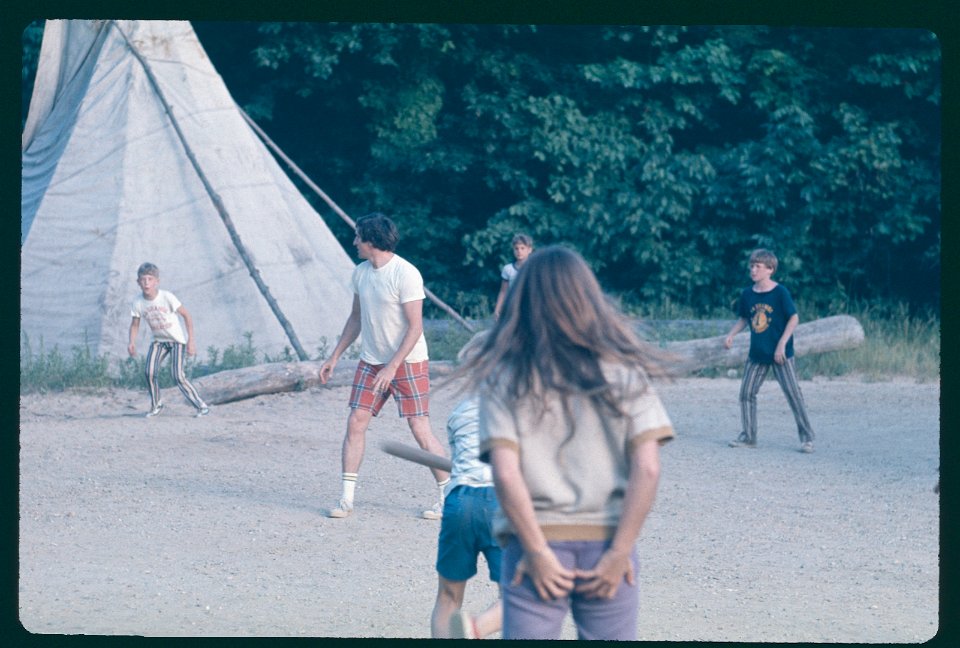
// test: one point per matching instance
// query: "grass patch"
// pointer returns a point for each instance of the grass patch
(445, 341)
(897, 343)
(53, 371)
(44, 370)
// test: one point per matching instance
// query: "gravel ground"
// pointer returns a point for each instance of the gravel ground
(176, 526)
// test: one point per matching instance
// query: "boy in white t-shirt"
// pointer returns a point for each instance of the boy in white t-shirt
(163, 311)
(387, 316)
(522, 247)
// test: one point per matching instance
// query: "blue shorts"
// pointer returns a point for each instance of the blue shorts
(466, 532)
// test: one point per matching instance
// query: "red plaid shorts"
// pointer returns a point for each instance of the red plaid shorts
(410, 387)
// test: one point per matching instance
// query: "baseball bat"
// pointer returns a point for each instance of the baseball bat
(416, 455)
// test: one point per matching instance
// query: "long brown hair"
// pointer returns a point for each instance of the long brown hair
(556, 328)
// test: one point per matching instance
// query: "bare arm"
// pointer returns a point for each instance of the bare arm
(191, 345)
(413, 312)
(351, 330)
(738, 326)
(501, 297)
(780, 353)
(550, 578)
(615, 565)
(132, 343)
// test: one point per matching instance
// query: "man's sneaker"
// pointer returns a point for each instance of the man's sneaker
(435, 512)
(156, 410)
(462, 626)
(203, 411)
(742, 442)
(806, 447)
(341, 510)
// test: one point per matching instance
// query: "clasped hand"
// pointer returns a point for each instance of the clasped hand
(552, 580)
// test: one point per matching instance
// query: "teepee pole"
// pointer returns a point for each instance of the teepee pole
(335, 207)
(218, 204)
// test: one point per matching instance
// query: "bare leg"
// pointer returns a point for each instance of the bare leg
(420, 426)
(490, 620)
(449, 600)
(354, 441)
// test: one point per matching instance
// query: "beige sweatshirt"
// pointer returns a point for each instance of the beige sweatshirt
(576, 469)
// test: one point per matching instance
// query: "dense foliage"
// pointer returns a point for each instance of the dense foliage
(663, 154)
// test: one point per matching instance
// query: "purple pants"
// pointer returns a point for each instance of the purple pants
(527, 616)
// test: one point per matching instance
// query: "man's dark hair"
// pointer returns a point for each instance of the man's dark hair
(379, 231)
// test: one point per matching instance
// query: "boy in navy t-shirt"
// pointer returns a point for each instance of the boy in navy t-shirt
(768, 309)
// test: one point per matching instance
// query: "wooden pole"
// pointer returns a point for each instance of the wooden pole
(335, 207)
(218, 204)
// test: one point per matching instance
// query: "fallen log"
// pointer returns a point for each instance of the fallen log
(819, 336)
(277, 377)
(270, 378)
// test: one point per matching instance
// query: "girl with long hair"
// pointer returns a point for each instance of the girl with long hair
(572, 427)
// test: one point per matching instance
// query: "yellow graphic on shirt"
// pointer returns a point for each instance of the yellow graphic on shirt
(760, 321)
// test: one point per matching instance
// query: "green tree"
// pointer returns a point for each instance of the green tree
(663, 154)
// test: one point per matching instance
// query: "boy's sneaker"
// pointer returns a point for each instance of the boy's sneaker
(435, 512)
(203, 411)
(156, 410)
(462, 626)
(742, 441)
(341, 510)
(806, 447)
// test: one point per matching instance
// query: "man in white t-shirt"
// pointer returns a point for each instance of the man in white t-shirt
(387, 316)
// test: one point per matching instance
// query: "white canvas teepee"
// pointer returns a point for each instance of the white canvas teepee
(108, 183)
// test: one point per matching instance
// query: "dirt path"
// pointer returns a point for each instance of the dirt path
(177, 526)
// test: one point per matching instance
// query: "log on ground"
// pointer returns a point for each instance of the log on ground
(818, 336)
(276, 377)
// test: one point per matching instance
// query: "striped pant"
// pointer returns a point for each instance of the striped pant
(158, 351)
(754, 374)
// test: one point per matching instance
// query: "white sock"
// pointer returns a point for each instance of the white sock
(349, 484)
(442, 485)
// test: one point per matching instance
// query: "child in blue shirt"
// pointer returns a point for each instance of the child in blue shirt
(767, 308)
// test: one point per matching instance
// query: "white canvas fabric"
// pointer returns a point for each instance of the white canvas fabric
(107, 185)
